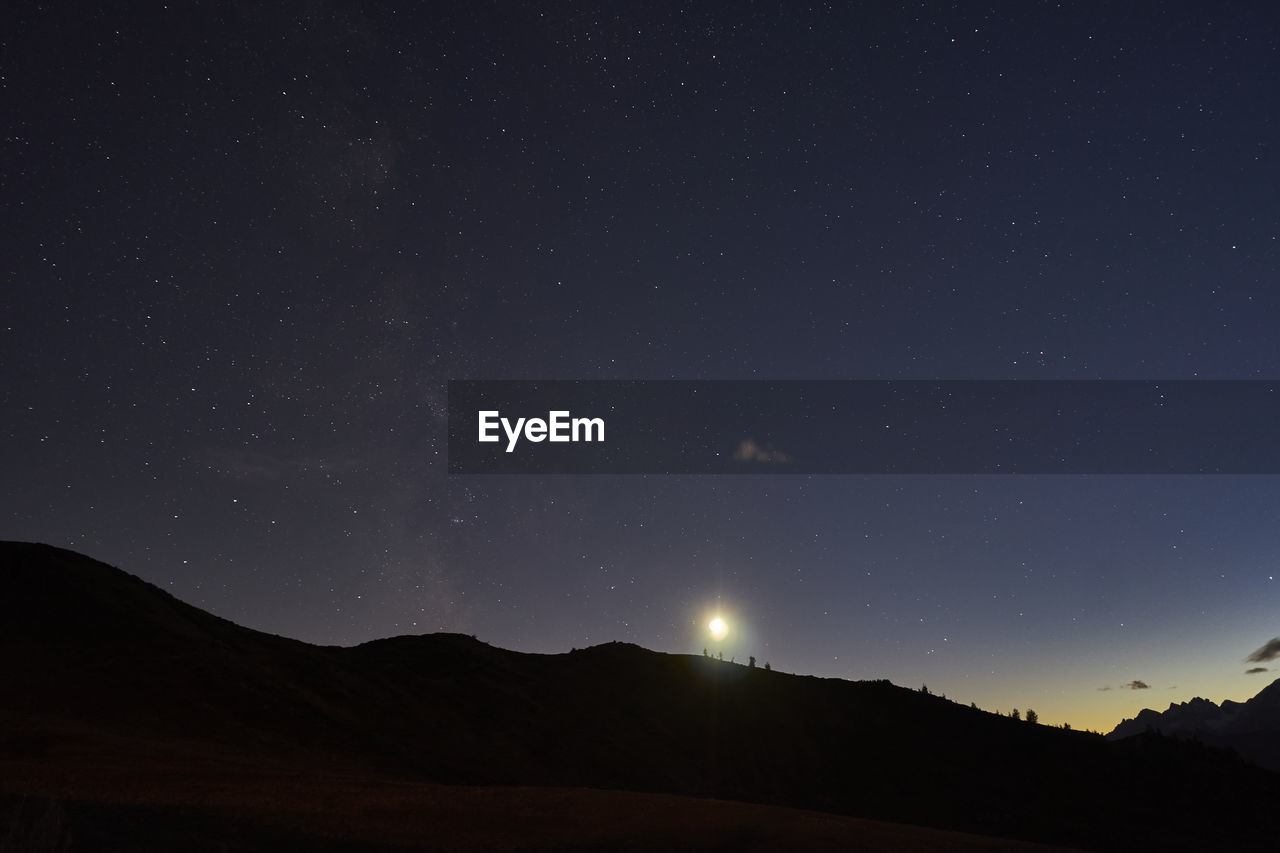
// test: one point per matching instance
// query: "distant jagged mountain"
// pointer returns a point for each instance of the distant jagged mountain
(1251, 728)
(103, 670)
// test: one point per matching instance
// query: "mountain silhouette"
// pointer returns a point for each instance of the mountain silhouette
(130, 714)
(1251, 728)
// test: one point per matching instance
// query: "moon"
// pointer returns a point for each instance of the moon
(718, 628)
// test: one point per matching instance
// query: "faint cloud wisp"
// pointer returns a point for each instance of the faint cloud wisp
(749, 451)
(1269, 652)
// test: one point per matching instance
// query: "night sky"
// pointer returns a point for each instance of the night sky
(247, 245)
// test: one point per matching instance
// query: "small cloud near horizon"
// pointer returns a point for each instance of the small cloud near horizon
(1255, 670)
(1268, 652)
(749, 451)
(1108, 687)
(1136, 685)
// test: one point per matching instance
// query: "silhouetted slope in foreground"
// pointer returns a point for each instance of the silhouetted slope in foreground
(109, 678)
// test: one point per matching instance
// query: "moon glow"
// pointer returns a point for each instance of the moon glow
(718, 628)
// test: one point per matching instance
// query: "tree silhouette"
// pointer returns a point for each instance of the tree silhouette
(752, 662)
(1016, 714)
(1032, 717)
(767, 668)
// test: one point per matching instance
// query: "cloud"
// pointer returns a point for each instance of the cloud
(1270, 651)
(1255, 670)
(749, 451)
(1108, 687)
(1136, 685)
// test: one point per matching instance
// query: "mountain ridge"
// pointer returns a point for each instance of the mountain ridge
(100, 658)
(1251, 728)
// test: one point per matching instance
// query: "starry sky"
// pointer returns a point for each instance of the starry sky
(247, 245)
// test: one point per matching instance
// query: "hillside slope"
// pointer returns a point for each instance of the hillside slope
(105, 667)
